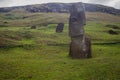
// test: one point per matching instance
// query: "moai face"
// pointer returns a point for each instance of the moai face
(60, 27)
(77, 20)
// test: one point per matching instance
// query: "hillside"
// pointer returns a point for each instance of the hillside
(26, 19)
(61, 8)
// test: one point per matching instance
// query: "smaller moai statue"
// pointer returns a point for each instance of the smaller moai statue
(60, 27)
(80, 46)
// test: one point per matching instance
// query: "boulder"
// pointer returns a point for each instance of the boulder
(33, 27)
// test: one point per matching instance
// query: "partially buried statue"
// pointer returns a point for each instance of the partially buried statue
(80, 46)
(60, 27)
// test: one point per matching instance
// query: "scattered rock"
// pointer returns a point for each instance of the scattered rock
(33, 27)
(25, 17)
(5, 22)
(112, 32)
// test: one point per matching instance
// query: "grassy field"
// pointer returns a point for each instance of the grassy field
(42, 54)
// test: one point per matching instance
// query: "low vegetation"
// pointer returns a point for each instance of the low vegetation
(42, 54)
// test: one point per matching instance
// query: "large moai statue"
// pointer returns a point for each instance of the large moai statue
(60, 27)
(80, 46)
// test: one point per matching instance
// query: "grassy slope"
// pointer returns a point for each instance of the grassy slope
(48, 58)
(28, 19)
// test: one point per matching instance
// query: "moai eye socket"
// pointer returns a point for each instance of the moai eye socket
(74, 19)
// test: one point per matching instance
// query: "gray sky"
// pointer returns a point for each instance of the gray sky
(9, 3)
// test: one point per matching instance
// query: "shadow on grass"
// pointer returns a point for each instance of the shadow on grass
(58, 44)
(25, 46)
(106, 43)
(32, 46)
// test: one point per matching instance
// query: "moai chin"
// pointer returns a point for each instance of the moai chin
(80, 46)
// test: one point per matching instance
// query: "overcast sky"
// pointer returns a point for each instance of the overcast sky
(9, 3)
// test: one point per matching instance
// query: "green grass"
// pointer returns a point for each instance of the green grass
(99, 32)
(53, 63)
(42, 54)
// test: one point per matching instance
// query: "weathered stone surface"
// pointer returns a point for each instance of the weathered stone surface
(88, 47)
(60, 27)
(77, 47)
(77, 20)
(80, 46)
